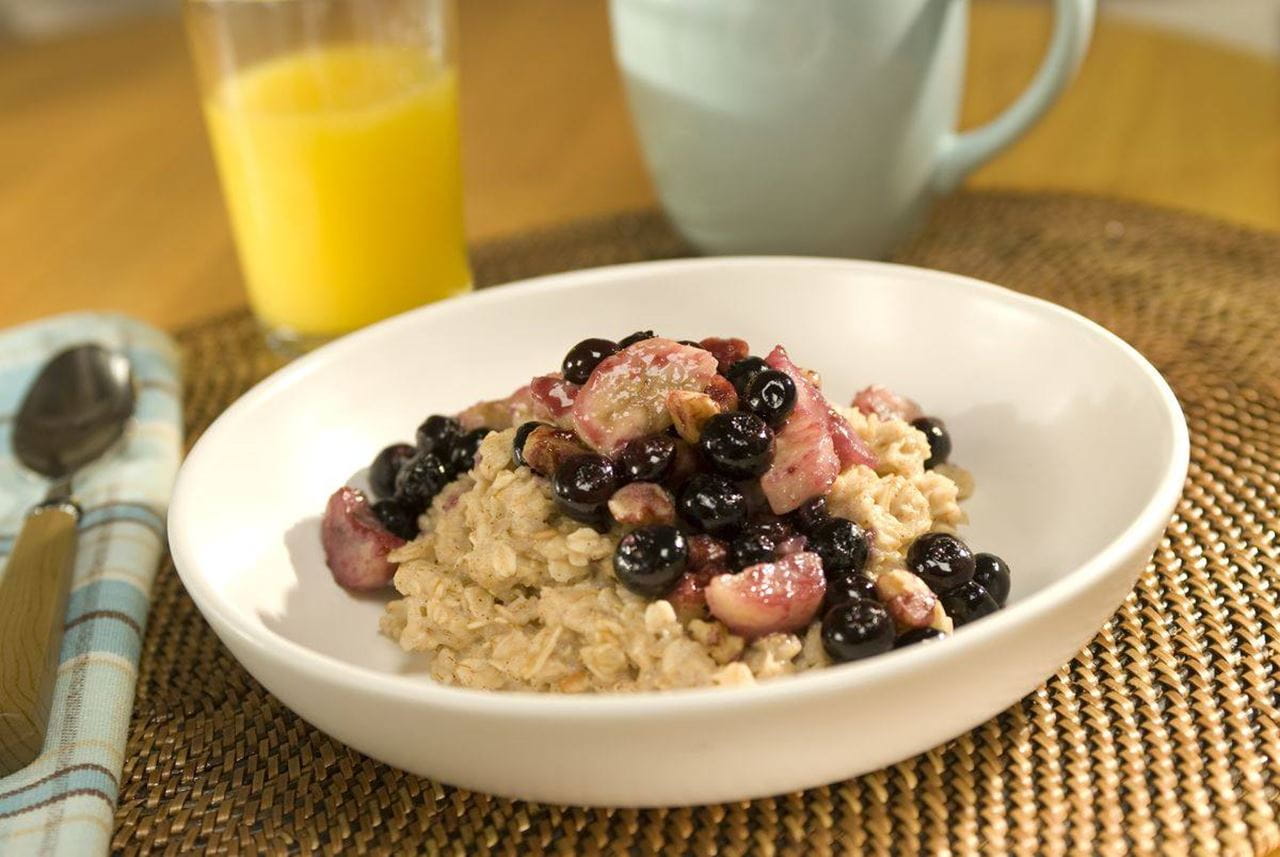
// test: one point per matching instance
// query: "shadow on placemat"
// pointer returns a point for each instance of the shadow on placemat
(1162, 735)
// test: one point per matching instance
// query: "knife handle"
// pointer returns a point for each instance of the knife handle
(33, 598)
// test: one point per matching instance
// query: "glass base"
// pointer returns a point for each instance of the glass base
(291, 343)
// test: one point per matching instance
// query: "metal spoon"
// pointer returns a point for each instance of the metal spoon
(76, 409)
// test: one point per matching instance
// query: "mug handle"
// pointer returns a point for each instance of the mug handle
(960, 154)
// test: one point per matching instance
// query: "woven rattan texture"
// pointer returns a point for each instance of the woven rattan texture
(1162, 736)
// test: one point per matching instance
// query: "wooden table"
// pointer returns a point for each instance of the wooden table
(108, 197)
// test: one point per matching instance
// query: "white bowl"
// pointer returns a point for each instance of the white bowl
(1077, 444)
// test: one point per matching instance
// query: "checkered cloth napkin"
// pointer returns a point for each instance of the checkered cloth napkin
(64, 802)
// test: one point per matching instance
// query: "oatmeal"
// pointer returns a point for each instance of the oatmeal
(664, 514)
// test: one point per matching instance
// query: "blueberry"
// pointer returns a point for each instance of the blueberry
(583, 485)
(517, 443)
(992, 573)
(842, 545)
(584, 357)
(771, 395)
(751, 548)
(846, 586)
(386, 464)
(741, 373)
(638, 336)
(462, 457)
(647, 459)
(939, 440)
(968, 603)
(438, 433)
(773, 528)
(918, 635)
(421, 479)
(737, 444)
(941, 560)
(857, 630)
(811, 515)
(397, 518)
(649, 560)
(712, 504)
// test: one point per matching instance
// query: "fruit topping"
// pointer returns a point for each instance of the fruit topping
(845, 587)
(684, 466)
(584, 357)
(856, 630)
(811, 514)
(741, 373)
(626, 396)
(793, 544)
(770, 395)
(737, 444)
(708, 552)
(522, 437)
(992, 573)
(420, 480)
(727, 351)
(842, 544)
(397, 518)
(939, 440)
(942, 561)
(462, 457)
(638, 336)
(805, 463)
(886, 404)
(583, 485)
(642, 503)
(386, 464)
(712, 504)
(911, 603)
(722, 393)
(752, 548)
(850, 448)
(437, 431)
(355, 543)
(647, 459)
(546, 448)
(919, 635)
(553, 398)
(968, 603)
(650, 560)
(690, 411)
(769, 597)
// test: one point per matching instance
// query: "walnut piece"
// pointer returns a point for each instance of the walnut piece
(690, 411)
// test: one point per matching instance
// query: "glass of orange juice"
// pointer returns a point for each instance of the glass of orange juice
(334, 125)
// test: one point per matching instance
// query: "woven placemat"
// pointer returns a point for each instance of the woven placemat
(1162, 736)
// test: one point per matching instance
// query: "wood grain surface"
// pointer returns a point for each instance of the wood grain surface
(108, 197)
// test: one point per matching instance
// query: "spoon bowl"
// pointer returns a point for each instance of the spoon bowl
(76, 409)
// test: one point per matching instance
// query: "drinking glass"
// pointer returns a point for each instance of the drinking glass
(334, 125)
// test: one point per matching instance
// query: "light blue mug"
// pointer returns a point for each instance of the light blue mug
(815, 127)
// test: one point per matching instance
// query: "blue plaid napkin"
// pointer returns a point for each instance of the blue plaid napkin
(64, 802)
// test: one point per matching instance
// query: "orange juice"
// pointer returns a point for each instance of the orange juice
(340, 169)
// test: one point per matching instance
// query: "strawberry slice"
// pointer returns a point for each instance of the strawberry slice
(886, 404)
(355, 543)
(769, 597)
(553, 399)
(851, 449)
(626, 396)
(499, 414)
(805, 461)
(727, 351)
